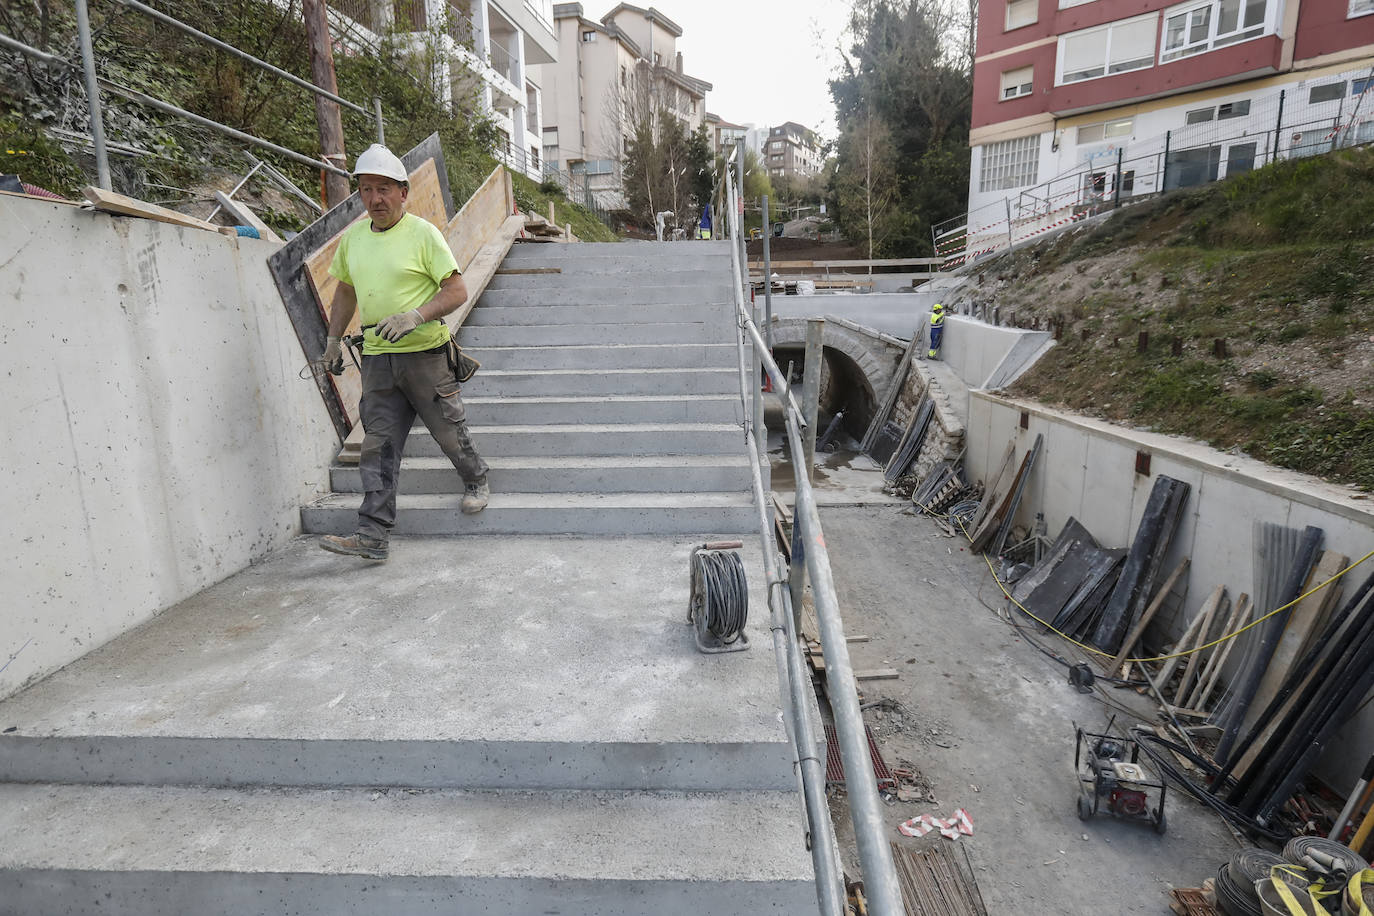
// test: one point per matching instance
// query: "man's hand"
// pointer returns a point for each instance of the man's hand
(333, 356)
(394, 327)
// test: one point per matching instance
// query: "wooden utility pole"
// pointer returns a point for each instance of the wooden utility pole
(336, 189)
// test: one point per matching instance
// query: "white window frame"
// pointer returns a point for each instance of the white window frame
(1020, 87)
(1020, 5)
(1066, 4)
(589, 35)
(1143, 63)
(1111, 130)
(1358, 8)
(1213, 40)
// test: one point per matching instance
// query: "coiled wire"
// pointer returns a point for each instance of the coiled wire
(720, 593)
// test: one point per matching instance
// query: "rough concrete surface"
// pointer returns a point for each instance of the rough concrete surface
(988, 722)
(536, 641)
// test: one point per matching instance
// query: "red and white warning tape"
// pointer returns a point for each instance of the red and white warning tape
(950, 827)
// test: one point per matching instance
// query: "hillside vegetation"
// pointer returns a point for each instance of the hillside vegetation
(168, 160)
(1276, 264)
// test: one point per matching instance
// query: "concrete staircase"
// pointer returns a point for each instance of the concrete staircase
(608, 402)
(511, 724)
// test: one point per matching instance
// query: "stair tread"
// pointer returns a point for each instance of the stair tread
(596, 398)
(569, 462)
(545, 428)
(449, 501)
(563, 835)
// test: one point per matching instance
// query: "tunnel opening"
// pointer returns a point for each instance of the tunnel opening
(844, 387)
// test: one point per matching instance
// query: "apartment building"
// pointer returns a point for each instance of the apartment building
(608, 73)
(792, 150)
(724, 135)
(491, 48)
(1078, 100)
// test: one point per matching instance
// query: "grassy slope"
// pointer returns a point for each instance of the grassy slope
(1279, 263)
(532, 199)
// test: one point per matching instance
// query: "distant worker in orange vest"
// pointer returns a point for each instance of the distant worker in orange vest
(937, 329)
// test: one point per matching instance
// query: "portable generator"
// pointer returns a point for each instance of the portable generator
(1112, 780)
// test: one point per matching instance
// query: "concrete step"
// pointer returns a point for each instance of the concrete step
(488, 315)
(601, 409)
(610, 356)
(562, 335)
(649, 292)
(645, 250)
(133, 851)
(593, 514)
(664, 275)
(625, 474)
(620, 263)
(535, 663)
(572, 382)
(554, 439)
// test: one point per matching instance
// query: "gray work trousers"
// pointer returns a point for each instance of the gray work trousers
(397, 387)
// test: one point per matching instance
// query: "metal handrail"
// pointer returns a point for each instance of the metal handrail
(808, 547)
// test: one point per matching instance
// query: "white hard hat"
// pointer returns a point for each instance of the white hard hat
(378, 160)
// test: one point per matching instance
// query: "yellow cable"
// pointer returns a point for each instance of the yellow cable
(1161, 658)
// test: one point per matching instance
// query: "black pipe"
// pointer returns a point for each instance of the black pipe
(1269, 640)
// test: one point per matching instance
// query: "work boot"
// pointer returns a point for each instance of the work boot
(475, 497)
(355, 545)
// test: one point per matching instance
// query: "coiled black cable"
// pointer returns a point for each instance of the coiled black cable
(721, 593)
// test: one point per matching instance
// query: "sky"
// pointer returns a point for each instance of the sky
(768, 60)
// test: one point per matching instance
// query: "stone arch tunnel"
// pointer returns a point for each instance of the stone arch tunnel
(858, 368)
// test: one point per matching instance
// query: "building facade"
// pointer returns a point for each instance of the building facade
(487, 48)
(608, 74)
(793, 151)
(724, 135)
(1079, 101)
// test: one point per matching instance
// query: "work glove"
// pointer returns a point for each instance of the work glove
(394, 327)
(333, 355)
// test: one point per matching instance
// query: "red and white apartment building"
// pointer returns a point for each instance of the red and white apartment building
(1081, 103)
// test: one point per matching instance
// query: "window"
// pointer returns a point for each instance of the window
(1116, 48)
(623, 75)
(1128, 182)
(1065, 4)
(1197, 116)
(1233, 110)
(1107, 130)
(1360, 8)
(589, 35)
(1021, 12)
(1359, 87)
(1016, 83)
(658, 59)
(1328, 93)
(1196, 28)
(1010, 164)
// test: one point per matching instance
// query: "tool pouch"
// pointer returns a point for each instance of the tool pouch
(464, 367)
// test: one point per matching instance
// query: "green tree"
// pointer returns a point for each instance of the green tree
(665, 168)
(903, 102)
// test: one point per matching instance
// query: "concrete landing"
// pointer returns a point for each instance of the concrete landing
(460, 663)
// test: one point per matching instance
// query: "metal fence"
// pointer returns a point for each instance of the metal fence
(809, 558)
(1223, 145)
(579, 193)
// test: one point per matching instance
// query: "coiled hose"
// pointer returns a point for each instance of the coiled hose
(720, 595)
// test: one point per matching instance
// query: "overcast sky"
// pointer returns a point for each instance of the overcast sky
(768, 60)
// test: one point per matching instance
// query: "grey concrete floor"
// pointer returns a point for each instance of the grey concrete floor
(988, 722)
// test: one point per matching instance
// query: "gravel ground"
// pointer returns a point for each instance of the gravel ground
(987, 723)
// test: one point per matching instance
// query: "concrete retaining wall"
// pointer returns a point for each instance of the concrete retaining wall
(158, 438)
(1087, 470)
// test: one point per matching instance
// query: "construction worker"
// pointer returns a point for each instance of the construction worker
(397, 270)
(937, 329)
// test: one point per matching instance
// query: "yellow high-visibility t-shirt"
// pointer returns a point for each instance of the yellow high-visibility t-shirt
(392, 272)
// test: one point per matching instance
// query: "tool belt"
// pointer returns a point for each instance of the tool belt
(464, 367)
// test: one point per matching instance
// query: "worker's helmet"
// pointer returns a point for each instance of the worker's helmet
(937, 307)
(378, 160)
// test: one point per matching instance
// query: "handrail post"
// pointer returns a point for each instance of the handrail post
(811, 390)
(83, 31)
(767, 282)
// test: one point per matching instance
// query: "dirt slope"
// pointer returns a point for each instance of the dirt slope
(1277, 264)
